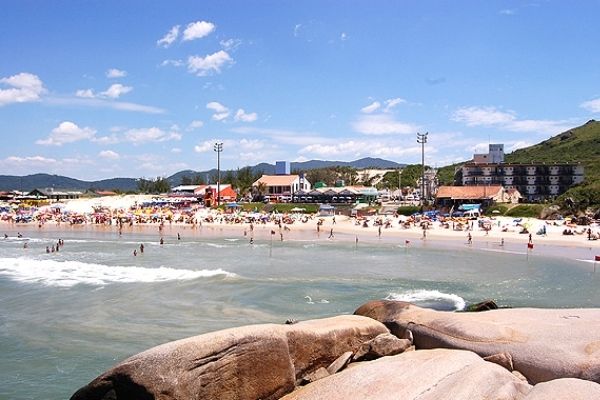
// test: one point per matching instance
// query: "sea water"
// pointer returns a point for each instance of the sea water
(66, 317)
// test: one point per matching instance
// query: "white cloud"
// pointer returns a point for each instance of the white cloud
(230, 44)
(24, 87)
(85, 93)
(115, 73)
(490, 116)
(212, 63)
(205, 146)
(391, 103)
(285, 136)
(197, 30)
(196, 124)
(67, 132)
(104, 140)
(360, 148)
(154, 134)
(103, 103)
(109, 155)
(174, 63)
(251, 144)
(169, 38)
(592, 105)
(116, 90)
(382, 125)
(28, 161)
(482, 116)
(343, 36)
(508, 11)
(297, 28)
(221, 112)
(175, 150)
(241, 115)
(374, 106)
(519, 145)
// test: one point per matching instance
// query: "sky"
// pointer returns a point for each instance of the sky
(103, 89)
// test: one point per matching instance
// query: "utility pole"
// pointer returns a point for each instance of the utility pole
(218, 148)
(422, 139)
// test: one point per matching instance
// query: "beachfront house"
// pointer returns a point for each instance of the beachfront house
(206, 192)
(457, 197)
(536, 181)
(281, 188)
(54, 194)
(344, 194)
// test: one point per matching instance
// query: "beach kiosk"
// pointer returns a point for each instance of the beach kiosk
(326, 210)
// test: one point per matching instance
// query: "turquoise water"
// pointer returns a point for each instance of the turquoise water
(68, 316)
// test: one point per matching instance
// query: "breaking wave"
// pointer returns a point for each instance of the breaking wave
(430, 299)
(70, 273)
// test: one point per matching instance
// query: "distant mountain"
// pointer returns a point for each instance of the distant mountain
(30, 182)
(41, 181)
(363, 163)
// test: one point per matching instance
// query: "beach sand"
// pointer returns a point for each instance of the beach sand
(345, 230)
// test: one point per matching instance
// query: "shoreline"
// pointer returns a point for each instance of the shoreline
(554, 244)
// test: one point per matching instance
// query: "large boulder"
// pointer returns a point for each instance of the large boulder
(544, 344)
(423, 375)
(566, 388)
(250, 362)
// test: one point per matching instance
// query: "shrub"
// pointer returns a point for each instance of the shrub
(526, 211)
(408, 210)
(497, 207)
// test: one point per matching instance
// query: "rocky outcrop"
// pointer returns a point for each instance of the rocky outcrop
(423, 375)
(251, 362)
(544, 344)
(568, 388)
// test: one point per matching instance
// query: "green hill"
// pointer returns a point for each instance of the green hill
(581, 144)
(578, 144)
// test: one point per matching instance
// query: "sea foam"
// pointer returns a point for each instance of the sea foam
(430, 299)
(70, 273)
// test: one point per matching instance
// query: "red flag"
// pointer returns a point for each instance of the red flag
(530, 245)
(597, 258)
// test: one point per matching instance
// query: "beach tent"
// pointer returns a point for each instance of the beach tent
(326, 210)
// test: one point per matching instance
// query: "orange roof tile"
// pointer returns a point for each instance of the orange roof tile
(468, 192)
(277, 180)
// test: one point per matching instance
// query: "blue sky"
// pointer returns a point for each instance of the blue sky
(101, 89)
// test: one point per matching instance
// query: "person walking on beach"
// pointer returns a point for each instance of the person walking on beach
(141, 247)
(530, 239)
(331, 234)
(178, 236)
(334, 220)
(162, 241)
(379, 232)
(134, 252)
(469, 238)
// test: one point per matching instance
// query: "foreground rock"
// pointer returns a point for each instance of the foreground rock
(251, 362)
(544, 344)
(423, 375)
(568, 388)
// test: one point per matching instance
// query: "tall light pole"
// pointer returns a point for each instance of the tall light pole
(218, 148)
(422, 139)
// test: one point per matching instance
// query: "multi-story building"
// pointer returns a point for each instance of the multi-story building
(535, 181)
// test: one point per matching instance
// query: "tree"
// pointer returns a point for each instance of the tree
(186, 180)
(154, 186)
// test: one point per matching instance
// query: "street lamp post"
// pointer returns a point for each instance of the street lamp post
(422, 139)
(218, 148)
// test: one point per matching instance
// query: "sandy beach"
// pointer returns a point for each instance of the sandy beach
(503, 236)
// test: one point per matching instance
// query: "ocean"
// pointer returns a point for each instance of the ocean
(66, 317)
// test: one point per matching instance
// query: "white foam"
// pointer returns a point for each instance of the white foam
(70, 273)
(422, 296)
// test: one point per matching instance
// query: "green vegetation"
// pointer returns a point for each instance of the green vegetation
(154, 186)
(581, 144)
(526, 211)
(408, 210)
(501, 208)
